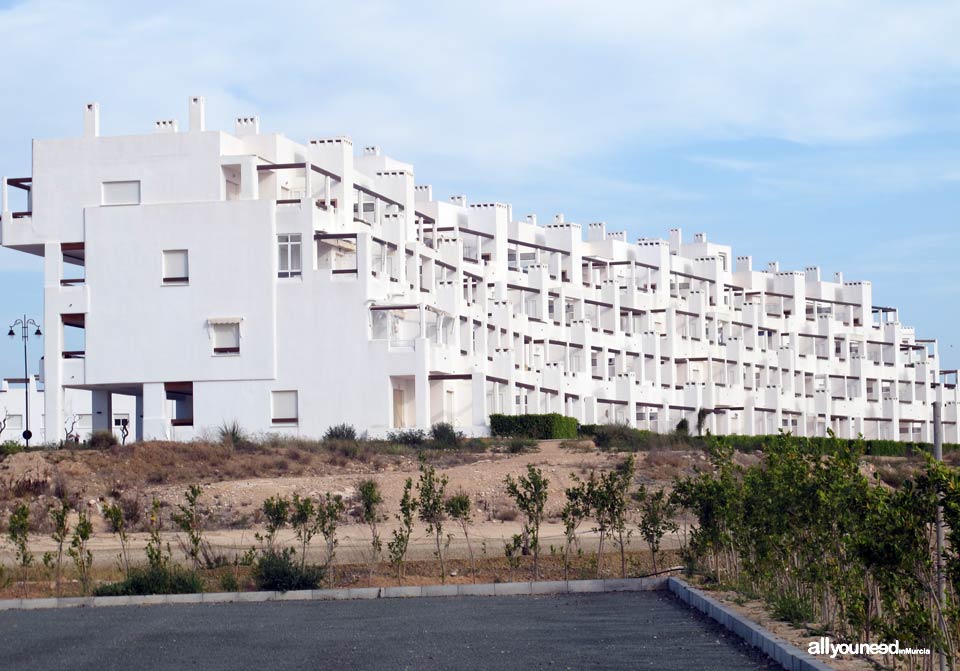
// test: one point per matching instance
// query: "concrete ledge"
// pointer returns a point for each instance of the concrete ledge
(482, 589)
(549, 587)
(257, 597)
(293, 595)
(512, 589)
(439, 590)
(586, 586)
(401, 592)
(405, 591)
(220, 597)
(783, 653)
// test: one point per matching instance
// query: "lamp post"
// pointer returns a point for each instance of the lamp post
(25, 325)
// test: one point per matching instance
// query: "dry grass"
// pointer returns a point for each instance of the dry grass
(491, 567)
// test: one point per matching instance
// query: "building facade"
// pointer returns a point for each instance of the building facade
(216, 277)
(77, 416)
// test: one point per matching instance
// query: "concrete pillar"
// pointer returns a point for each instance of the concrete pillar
(249, 179)
(138, 418)
(478, 386)
(102, 407)
(590, 415)
(422, 384)
(52, 344)
(156, 422)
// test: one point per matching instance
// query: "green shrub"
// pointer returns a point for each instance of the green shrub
(408, 437)
(340, 432)
(229, 582)
(520, 445)
(623, 437)
(538, 427)
(10, 447)
(444, 436)
(100, 440)
(232, 434)
(276, 571)
(877, 448)
(143, 581)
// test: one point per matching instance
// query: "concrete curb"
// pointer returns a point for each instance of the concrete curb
(404, 592)
(783, 653)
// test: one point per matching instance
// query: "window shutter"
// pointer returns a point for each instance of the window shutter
(121, 193)
(226, 336)
(175, 264)
(285, 405)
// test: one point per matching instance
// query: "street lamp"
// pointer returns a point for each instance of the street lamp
(25, 325)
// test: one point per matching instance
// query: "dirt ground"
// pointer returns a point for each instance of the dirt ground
(94, 479)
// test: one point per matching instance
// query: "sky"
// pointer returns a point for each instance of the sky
(809, 133)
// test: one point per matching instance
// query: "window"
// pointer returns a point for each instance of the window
(121, 193)
(288, 248)
(226, 337)
(120, 420)
(285, 407)
(176, 266)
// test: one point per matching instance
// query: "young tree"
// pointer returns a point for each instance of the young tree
(276, 511)
(618, 484)
(530, 494)
(575, 510)
(512, 551)
(69, 424)
(656, 519)
(303, 519)
(3, 420)
(18, 529)
(157, 558)
(370, 502)
(329, 511)
(430, 496)
(82, 557)
(401, 536)
(460, 511)
(61, 530)
(190, 521)
(118, 525)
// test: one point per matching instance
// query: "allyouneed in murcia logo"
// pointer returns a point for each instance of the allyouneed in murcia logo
(823, 646)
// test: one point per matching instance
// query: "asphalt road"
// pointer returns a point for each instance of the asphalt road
(637, 630)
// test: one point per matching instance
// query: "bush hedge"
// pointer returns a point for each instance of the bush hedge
(539, 427)
(145, 581)
(877, 448)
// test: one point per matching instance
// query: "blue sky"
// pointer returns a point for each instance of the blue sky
(811, 133)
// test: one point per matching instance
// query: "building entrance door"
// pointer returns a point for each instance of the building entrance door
(398, 408)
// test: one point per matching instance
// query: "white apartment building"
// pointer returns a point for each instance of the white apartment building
(217, 277)
(77, 424)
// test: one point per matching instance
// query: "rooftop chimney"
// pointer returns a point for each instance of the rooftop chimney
(460, 200)
(165, 126)
(676, 239)
(247, 125)
(372, 150)
(532, 219)
(197, 106)
(773, 267)
(91, 120)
